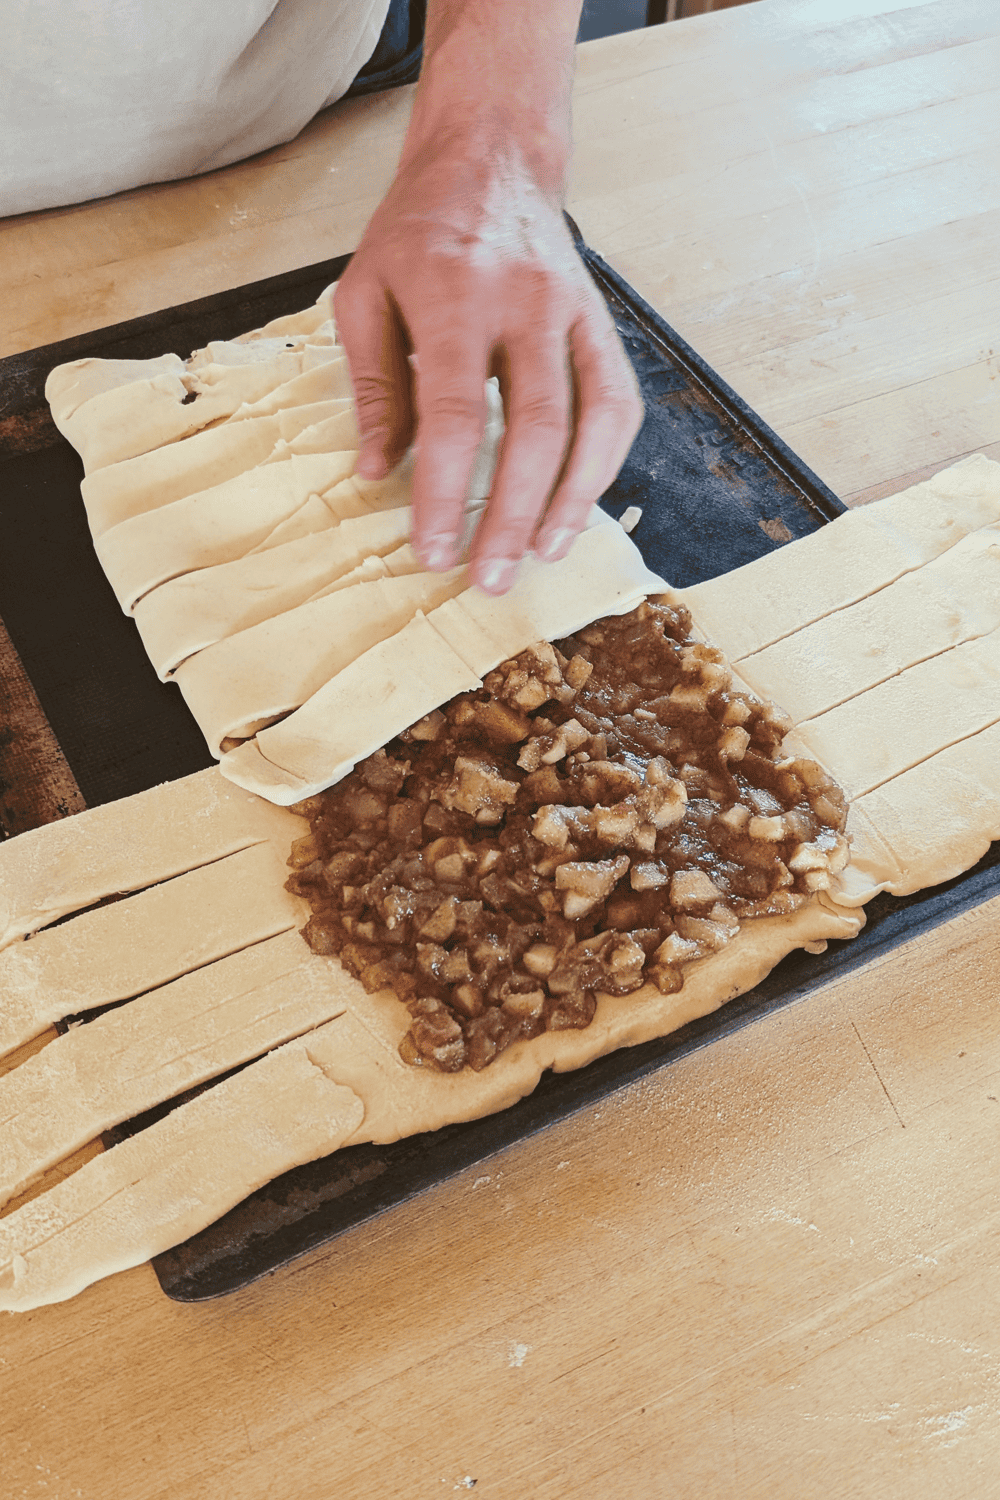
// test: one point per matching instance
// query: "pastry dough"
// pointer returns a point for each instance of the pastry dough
(117, 951)
(125, 418)
(854, 556)
(431, 659)
(937, 819)
(948, 601)
(140, 484)
(172, 1039)
(174, 1178)
(213, 526)
(361, 1049)
(232, 557)
(881, 733)
(246, 681)
(124, 846)
(895, 690)
(191, 613)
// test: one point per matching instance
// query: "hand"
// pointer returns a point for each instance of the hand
(467, 269)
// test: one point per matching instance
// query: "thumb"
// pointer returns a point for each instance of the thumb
(376, 346)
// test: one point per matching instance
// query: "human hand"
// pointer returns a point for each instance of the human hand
(468, 267)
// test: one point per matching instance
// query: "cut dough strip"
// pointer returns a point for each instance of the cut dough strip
(174, 1178)
(207, 459)
(856, 555)
(214, 526)
(59, 1243)
(195, 611)
(186, 1033)
(935, 820)
(908, 718)
(948, 601)
(396, 682)
(246, 681)
(126, 420)
(125, 846)
(118, 951)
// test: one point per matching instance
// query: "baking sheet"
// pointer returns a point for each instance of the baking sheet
(717, 488)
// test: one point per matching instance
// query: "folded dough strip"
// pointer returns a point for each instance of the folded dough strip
(118, 951)
(354, 521)
(197, 610)
(70, 385)
(214, 526)
(136, 485)
(393, 684)
(310, 323)
(158, 1046)
(125, 420)
(242, 683)
(432, 658)
(125, 846)
(325, 378)
(854, 556)
(173, 1178)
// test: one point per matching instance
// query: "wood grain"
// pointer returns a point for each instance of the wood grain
(36, 783)
(767, 1273)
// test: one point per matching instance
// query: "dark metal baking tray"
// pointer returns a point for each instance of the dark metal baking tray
(717, 488)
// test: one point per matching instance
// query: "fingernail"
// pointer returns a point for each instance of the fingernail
(371, 464)
(556, 544)
(436, 552)
(496, 574)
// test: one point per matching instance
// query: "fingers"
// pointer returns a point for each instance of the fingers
(538, 392)
(451, 403)
(608, 415)
(371, 330)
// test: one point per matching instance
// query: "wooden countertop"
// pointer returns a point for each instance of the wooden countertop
(769, 1271)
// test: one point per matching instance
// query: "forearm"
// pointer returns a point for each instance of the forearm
(496, 82)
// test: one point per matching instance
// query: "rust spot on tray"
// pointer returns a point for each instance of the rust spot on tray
(775, 529)
(28, 432)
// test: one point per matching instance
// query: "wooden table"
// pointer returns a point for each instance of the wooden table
(770, 1271)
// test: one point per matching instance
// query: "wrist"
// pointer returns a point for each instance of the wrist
(497, 95)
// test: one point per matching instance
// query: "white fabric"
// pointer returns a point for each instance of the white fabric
(101, 95)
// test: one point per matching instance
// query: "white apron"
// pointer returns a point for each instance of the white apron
(101, 95)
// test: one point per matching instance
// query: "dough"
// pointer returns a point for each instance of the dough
(69, 386)
(398, 681)
(174, 1178)
(856, 555)
(172, 1039)
(208, 458)
(909, 728)
(246, 681)
(195, 611)
(114, 952)
(883, 732)
(124, 846)
(948, 601)
(361, 1048)
(213, 526)
(936, 819)
(395, 683)
(124, 420)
